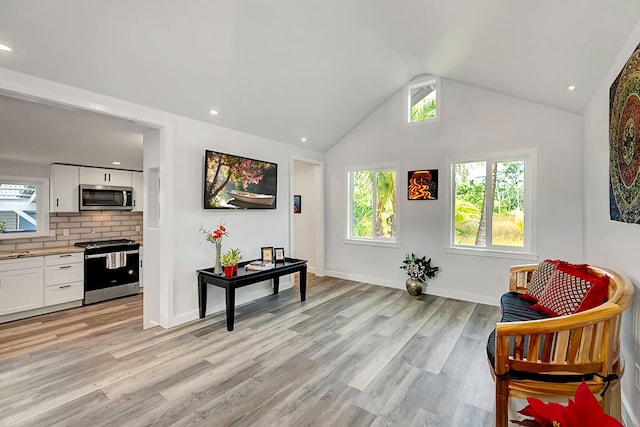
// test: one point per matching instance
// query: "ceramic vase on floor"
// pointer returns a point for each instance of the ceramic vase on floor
(414, 286)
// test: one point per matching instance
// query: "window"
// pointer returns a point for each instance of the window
(422, 103)
(492, 204)
(372, 205)
(23, 207)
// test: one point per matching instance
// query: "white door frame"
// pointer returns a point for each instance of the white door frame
(318, 180)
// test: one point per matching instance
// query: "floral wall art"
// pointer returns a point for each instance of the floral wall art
(624, 152)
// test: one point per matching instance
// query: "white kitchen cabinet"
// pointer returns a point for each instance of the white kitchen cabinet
(63, 278)
(63, 188)
(138, 190)
(98, 176)
(21, 285)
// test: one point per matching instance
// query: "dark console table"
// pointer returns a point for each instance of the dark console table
(248, 277)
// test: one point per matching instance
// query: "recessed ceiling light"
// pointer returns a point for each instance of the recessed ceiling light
(5, 47)
(115, 163)
(303, 139)
(572, 87)
(213, 112)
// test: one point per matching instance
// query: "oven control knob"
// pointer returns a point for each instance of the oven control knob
(130, 271)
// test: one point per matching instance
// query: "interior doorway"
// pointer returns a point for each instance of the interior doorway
(307, 214)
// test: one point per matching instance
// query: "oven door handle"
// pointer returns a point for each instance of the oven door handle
(94, 256)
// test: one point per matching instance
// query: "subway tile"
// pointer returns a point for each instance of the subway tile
(72, 225)
(91, 224)
(91, 236)
(112, 234)
(101, 229)
(56, 244)
(83, 230)
(110, 223)
(42, 239)
(27, 246)
(59, 219)
(7, 248)
(121, 228)
(130, 223)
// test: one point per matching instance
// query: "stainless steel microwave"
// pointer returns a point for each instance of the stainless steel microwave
(105, 198)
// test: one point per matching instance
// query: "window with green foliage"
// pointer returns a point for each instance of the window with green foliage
(491, 204)
(372, 204)
(421, 100)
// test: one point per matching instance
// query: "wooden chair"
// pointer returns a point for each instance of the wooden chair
(548, 358)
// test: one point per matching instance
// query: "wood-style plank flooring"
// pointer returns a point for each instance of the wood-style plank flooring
(353, 354)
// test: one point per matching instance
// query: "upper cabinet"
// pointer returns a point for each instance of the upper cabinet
(63, 191)
(137, 184)
(97, 176)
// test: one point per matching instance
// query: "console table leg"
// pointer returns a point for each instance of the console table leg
(231, 306)
(276, 284)
(303, 283)
(202, 297)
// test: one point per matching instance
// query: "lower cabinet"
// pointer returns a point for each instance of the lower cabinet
(21, 285)
(36, 282)
(63, 278)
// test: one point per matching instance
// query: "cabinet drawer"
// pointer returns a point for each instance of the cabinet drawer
(20, 263)
(64, 258)
(67, 273)
(65, 292)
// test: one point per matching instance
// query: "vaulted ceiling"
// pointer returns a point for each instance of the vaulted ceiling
(287, 69)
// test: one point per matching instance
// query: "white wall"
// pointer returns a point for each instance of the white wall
(304, 223)
(248, 230)
(474, 122)
(610, 243)
(14, 168)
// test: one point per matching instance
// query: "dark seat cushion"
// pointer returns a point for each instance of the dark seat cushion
(514, 309)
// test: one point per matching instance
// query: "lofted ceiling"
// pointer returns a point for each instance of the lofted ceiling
(287, 69)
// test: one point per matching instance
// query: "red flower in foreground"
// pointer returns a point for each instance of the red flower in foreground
(584, 412)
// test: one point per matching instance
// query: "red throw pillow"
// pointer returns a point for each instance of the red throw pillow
(571, 290)
(539, 279)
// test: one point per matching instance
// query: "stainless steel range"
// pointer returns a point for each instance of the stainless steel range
(111, 269)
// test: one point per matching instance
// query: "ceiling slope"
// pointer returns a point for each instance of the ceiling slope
(287, 69)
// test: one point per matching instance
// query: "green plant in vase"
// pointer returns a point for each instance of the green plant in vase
(419, 269)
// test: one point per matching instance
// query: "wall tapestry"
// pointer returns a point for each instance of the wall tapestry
(624, 135)
(423, 185)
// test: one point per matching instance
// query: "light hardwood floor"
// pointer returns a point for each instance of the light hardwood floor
(353, 354)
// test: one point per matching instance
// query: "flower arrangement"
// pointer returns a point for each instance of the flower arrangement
(584, 411)
(216, 235)
(419, 268)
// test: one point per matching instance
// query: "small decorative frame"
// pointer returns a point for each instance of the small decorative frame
(267, 254)
(423, 185)
(297, 203)
(278, 254)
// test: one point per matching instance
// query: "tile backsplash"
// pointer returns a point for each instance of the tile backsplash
(83, 226)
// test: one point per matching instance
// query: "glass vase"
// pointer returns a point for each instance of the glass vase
(218, 267)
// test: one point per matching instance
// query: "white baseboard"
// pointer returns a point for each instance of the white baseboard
(248, 297)
(430, 289)
(627, 415)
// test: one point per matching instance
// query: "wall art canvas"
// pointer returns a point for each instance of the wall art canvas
(624, 138)
(423, 185)
(234, 182)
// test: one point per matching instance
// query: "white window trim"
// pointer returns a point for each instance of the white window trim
(42, 207)
(407, 100)
(386, 242)
(530, 249)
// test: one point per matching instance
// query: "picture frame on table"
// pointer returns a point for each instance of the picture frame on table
(267, 254)
(278, 254)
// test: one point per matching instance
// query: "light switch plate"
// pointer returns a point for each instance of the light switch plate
(52, 233)
(65, 232)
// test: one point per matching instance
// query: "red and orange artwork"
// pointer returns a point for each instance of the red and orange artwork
(423, 185)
